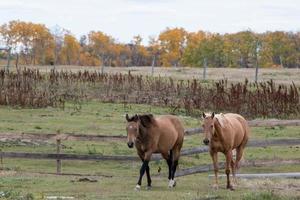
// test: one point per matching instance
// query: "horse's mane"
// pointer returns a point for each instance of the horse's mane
(146, 119)
(221, 119)
(134, 118)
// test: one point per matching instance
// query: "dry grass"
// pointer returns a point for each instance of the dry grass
(282, 76)
(30, 88)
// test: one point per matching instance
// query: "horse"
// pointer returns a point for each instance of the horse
(225, 133)
(150, 135)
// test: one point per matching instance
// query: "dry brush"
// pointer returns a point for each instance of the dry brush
(30, 88)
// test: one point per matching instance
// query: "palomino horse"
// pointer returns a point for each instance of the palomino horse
(223, 133)
(155, 135)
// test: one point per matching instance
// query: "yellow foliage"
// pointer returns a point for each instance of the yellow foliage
(70, 50)
(172, 43)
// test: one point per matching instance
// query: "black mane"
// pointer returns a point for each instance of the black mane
(146, 119)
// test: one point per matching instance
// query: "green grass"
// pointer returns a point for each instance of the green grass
(116, 180)
(275, 132)
(189, 187)
(93, 118)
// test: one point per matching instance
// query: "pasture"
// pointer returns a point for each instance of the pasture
(116, 180)
(93, 114)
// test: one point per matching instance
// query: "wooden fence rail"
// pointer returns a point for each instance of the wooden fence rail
(185, 152)
(96, 137)
(258, 163)
(58, 156)
(251, 143)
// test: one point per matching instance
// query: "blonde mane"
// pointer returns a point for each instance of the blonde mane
(221, 119)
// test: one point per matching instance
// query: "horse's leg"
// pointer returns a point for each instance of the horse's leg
(144, 166)
(214, 156)
(168, 157)
(176, 154)
(239, 155)
(148, 177)
(170, 162)
(227, 168)
(233, 169)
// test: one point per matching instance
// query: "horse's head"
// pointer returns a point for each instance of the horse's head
(208, 127)
(136, 125)
(132, 129)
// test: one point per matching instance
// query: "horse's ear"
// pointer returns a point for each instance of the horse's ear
(212, 115)
(203, 115)
(146, 120)
(127, 117)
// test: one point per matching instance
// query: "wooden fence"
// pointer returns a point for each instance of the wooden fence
(256, 163)
(97, 137)
(58, 156)
(184, 152)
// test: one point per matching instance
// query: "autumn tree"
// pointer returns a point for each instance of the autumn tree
(43, 44)
(174, 46)
(139, 54)
(193, 41)
(154, 51)
(101, 45)
(34, 42)
(281, 48)
(9, 35)
(58, 36)
(172, 43)
(70, 50)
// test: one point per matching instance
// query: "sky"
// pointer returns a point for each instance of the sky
(124, 19)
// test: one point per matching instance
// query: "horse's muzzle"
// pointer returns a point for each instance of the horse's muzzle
(130, 144)
(206, 141)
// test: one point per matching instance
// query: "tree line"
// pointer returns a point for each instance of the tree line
(36, 44)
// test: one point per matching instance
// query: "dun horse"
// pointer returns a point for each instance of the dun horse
(223, 133)
(155, 135)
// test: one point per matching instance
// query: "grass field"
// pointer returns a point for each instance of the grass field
(116, 180)
(285, 76)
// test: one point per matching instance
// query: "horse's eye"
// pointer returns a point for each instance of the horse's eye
(211, 126)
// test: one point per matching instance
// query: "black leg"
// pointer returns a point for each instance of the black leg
(170, 161)
(174, 169)
(142, 171)
(148, 176)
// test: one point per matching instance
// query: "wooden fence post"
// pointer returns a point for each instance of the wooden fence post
(204, 68)
(8, 59)
(1, 157)
(58, 161)
(152, 66)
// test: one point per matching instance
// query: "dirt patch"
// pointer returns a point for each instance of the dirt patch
(85, 179)
(283, 185)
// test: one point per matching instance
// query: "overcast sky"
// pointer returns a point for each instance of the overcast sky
(125, 18)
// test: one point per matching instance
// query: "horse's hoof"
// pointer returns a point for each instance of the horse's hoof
(215, 186)
(149, 187)
(137, 188)
(230, 187)
(172, 183)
